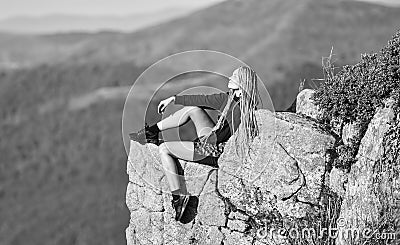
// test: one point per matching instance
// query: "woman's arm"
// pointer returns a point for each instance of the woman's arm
(212, 101)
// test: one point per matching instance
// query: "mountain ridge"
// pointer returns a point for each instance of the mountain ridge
(67, 23)
(277, 35)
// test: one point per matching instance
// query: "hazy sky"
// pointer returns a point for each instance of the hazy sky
(388, 2)
(11, 8)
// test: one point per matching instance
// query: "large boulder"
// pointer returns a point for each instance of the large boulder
(362, 206)
(281, 181)
(335, 178)
(287, 161)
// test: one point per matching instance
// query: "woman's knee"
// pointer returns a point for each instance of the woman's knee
(194, 110)
(163, 149)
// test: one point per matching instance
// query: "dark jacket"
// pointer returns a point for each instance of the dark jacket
(215, 102)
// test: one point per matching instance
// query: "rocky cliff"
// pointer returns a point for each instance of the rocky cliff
(283, 192)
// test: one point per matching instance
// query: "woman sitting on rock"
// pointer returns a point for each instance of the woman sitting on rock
(237, 107)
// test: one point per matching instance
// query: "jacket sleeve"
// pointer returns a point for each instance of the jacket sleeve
(212, 101)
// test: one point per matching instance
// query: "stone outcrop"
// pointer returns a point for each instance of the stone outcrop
(362, 207)
(305, 104)
(279, 183)
(284, 184)
(287, 163)
(336, 178)
(350, 132)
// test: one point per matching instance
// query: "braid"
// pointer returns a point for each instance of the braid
(221, 119)
(248, 128)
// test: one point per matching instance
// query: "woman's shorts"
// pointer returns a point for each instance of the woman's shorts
(207, 153)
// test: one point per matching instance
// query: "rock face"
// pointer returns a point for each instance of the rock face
(281, 181)
(284, 183)
(305, 104)
(287, 163)
(361, 205)
(350, 132)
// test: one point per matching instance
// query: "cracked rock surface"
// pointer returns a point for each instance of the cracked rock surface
(281, 180)
(305, 104)
(361, 205)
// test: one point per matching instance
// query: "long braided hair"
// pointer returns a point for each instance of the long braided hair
(248, 128)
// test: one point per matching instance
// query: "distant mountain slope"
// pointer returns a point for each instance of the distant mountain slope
(67, 23)
(62, 172)
(269, 35)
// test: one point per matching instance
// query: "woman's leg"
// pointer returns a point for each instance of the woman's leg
(199, 117)
(169, 152)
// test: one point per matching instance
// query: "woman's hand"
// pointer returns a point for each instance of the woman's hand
(164, 103)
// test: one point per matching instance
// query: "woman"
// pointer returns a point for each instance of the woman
(237, 106)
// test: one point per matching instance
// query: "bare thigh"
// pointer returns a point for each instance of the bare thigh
(179, 149)
(201, 120)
